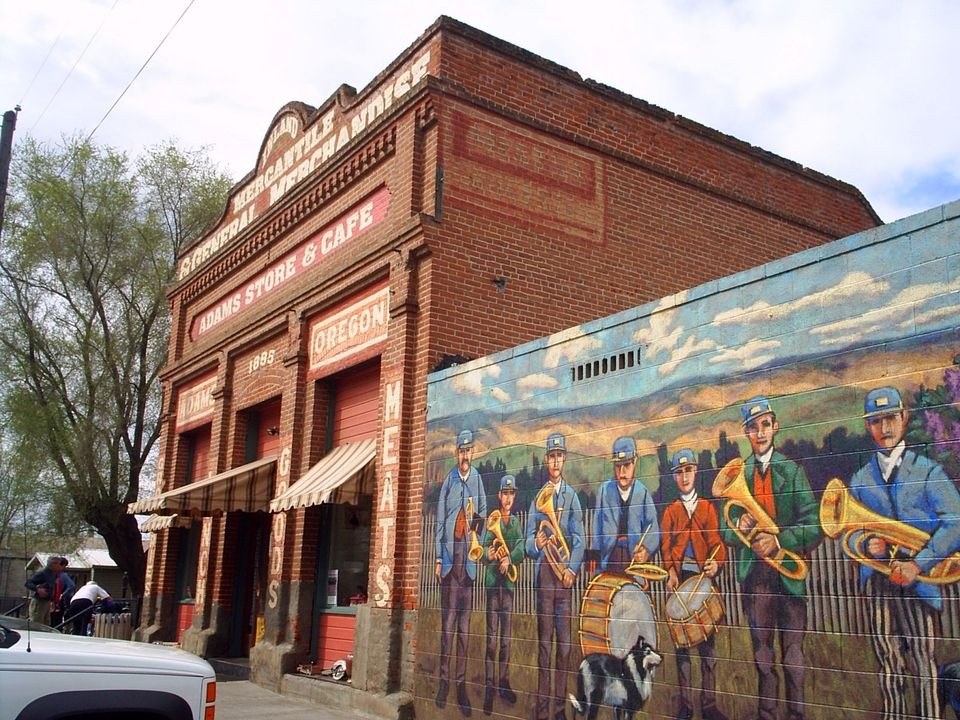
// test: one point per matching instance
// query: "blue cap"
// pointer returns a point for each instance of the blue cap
(882, 401)
(508, 482)
(464, 439)
(624, 449)
(754, 408)
(683, 457)
(555, 442)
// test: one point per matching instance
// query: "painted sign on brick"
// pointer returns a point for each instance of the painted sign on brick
(195, 403)
(354, 332)
(292, 152)
(300, 261)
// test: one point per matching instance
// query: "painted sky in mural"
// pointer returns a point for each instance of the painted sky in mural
(817, 310)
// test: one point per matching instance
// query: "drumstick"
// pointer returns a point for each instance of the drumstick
(642, 538)
(682, 603)
(703, 572)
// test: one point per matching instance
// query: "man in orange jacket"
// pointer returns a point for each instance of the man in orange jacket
(691, 545)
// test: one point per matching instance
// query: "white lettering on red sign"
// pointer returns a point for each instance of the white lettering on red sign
(347, 228)
(196, 402)
(362, 324)
(387, 501)
(302, 155)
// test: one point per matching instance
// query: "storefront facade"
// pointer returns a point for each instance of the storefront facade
(472, 197)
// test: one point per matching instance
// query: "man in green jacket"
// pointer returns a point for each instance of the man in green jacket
(770, 598)
(503, 551)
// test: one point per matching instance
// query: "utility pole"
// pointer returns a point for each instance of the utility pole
(6, 146)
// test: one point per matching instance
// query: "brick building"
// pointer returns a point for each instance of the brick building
(472, 197)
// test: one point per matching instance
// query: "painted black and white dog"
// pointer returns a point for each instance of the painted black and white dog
(625, 685)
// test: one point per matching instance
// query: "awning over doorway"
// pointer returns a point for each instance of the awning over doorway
(350, 461)
(156, 523)
(247, 488)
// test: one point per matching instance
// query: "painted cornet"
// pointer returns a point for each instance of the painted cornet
(499, 544)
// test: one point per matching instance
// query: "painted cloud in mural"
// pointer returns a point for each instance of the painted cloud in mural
(569, 346)
(530, 384)
(749, 356)
(797, 308)
(471, 382)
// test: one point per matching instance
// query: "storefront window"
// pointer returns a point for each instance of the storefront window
(348, 553)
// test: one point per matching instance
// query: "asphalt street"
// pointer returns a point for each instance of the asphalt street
(241, 699)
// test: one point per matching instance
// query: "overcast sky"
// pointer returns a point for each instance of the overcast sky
(865, 91)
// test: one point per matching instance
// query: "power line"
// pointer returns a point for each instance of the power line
(42, 65)
(77, 62)
(142, 67)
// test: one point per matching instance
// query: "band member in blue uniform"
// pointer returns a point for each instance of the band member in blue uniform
(625, 513)
(905, 486)
(556, 524)
(461, 512)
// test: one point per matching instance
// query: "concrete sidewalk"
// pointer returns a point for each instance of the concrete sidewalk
(241, 699)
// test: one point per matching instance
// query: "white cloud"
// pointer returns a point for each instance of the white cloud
(859, 324)
(898, 312)
(660, 335)
(500, 395)
(569, 345)
(689, 348)
(857, 284)
(864, 331)
(753, 354)
(822, 95)
(536, 381)
(471, 382)
(930, 316)
(919, 293)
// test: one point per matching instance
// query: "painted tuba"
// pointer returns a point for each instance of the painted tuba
(556, 551)
(840, 513)
(499, 544)
(732, 485)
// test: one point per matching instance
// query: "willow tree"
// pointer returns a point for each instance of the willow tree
(90, 244)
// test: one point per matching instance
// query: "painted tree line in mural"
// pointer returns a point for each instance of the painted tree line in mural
(896, 512)
(934, 425)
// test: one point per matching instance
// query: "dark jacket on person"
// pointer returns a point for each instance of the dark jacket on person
(47, 578)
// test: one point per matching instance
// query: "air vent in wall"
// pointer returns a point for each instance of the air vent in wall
(605, 366)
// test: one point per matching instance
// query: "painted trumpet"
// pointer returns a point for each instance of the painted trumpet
(500, 545)
(476, 550)
(556, 551)
(732, 485)
(841, 513)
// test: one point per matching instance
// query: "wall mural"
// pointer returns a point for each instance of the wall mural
(763, 476)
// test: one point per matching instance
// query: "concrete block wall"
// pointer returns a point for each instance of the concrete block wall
(813, 334)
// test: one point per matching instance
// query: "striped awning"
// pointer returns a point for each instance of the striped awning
(247, 488)
(327, 480)
(156, 523)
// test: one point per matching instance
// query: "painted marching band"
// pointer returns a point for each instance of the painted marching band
(898, 517)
